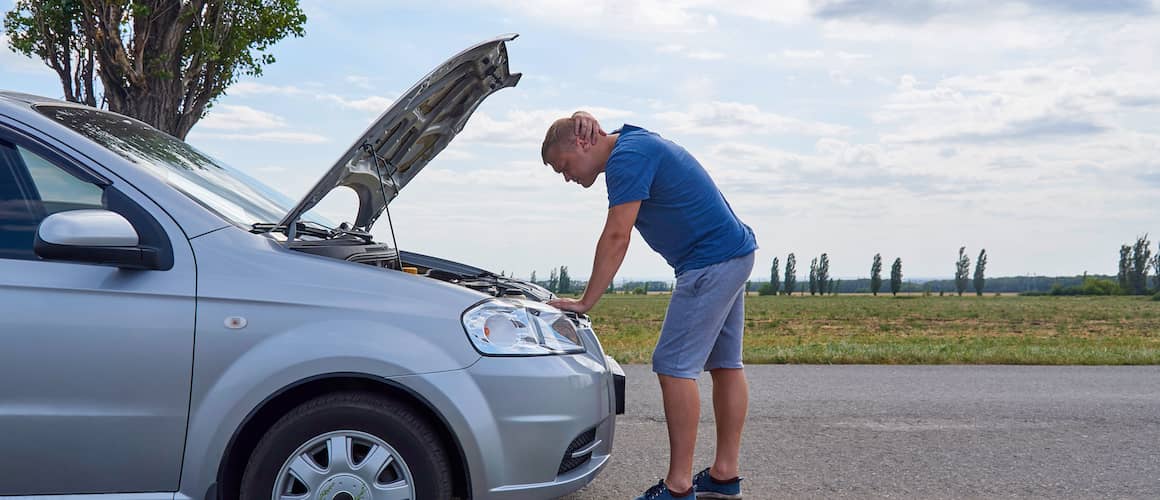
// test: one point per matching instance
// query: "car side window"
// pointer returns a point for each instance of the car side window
(32, 188)
(59, 190)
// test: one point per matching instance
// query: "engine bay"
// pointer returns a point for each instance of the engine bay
(380, 255)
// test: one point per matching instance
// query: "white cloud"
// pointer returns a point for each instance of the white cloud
(967, 11)
(803, 54)
(832, 62)
(956, 40)
(691, 53)
(840, 77)
(626, 74)
(852, 56)
(1035, 103)
(362, 82)
(372, 104)
(655, 16)
(271, 136)
(615, 18)
(249, 87)
(730, 119)
(697, 88)
(233, 117)
(242, 123)
(783, 11)
(705, 55)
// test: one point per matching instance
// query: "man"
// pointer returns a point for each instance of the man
(658, 187)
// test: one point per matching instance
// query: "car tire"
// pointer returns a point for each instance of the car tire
(417, 460)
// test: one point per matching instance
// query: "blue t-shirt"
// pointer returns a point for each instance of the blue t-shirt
(683, 216)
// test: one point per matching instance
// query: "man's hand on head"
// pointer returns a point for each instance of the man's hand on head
(587, 128)
(570, 305)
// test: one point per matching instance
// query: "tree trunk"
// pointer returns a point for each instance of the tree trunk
(137, 81)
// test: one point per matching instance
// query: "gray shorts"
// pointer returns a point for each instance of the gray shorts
(705, 321)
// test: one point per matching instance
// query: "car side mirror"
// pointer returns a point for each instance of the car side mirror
(95, 237)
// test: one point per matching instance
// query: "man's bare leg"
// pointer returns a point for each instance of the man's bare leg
(730, 405)
(682, 413)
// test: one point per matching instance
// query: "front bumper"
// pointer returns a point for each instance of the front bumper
(534, 427)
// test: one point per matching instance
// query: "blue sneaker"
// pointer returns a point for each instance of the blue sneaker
(661, 492)
(709, 488)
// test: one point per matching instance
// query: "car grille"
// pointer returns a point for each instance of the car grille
(581, 441)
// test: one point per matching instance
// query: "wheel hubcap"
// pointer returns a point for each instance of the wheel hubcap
(344, 465)
(343, 487)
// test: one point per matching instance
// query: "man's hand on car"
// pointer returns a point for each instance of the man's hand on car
(570, 305)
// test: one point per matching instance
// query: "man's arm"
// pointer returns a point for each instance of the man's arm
(610, 252)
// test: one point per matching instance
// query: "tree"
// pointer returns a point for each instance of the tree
(52, 31)
(553, 280)
(980, 265)
(824, 282)
(814, 276)
(790, 274)
(1125, 253)
(830, 287)
(1156, 271)
(773, 282)
(1141, 257)
(163, 62)
(565, 283)
(896, 276)
(876, 274)
(962, 270)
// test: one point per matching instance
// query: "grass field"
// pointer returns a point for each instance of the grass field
(912, 329)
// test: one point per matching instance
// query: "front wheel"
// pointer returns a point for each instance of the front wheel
(349, 446)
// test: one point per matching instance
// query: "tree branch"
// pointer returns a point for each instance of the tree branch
(107, 35)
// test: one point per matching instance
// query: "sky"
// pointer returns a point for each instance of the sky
(851, 127)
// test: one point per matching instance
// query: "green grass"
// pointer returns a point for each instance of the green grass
(917, 330)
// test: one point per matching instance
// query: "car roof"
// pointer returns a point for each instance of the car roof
(29, 99)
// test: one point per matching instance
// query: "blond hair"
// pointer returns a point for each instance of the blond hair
(561, 133)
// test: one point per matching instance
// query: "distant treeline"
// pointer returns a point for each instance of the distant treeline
(1011, 284)
(1135, 265)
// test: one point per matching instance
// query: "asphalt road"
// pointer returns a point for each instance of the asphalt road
(915, 432)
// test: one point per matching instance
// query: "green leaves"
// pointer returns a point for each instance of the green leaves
(876, 274)
(790, 274)
(962, 270)
(774, 284)
(896, 276)
(980, 266)
(161, 66)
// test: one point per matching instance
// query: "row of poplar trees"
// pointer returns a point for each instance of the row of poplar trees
(821, 283)
(876, 275)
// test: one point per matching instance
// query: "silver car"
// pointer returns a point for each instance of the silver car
(173, 329)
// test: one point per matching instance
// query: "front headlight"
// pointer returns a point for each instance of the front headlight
(520, 328)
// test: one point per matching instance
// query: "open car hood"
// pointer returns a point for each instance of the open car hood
(419, 125)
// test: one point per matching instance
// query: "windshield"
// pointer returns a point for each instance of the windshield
(222, 189)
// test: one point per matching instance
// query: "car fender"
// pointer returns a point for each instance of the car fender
(284, 360)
